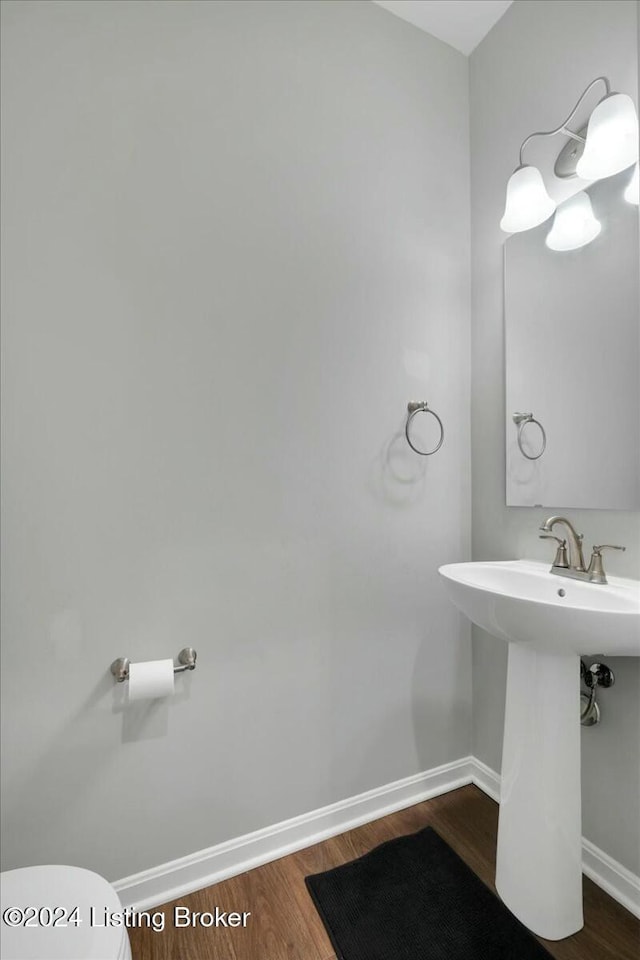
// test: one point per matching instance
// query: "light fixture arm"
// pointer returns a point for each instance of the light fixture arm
(563, 126)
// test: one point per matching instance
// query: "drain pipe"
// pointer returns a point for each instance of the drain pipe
(597, 675)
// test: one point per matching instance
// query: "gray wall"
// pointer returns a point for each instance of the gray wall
(236, 244)
(526, 75)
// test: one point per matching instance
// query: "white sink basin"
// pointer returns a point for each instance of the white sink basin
(521, 601)
(548, 621)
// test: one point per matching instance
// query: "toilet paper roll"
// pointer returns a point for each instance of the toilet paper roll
(151, 679)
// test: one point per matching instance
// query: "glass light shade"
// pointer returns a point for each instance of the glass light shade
(574, 224)
(612, 138)
(528, 203)
(631, 193)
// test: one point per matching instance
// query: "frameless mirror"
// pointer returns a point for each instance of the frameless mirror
(572, 341)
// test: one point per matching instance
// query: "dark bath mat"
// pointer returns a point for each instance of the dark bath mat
(413, 898)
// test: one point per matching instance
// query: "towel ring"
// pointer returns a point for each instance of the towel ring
(522, 419)
(422, 407)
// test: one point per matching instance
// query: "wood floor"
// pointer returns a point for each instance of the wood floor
(285, 926)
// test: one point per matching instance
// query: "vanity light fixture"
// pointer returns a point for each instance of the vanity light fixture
(631, 193)
(607, 145)
(574, 224)
(528, 203)
(612, 138)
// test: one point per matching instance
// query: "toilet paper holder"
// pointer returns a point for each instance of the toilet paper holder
(186, 661)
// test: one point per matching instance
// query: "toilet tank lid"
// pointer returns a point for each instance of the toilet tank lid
(96, 935)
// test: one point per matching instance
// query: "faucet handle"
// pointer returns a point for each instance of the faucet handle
(596, 570)
(561, 553)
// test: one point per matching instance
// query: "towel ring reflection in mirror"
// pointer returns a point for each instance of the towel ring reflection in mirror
(414, 408)
(521, 420)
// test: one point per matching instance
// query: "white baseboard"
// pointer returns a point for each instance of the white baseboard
(143, 891)
(168, 881)
(615, 879)
(485, 778)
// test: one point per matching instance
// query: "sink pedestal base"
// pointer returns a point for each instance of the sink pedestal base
(539, 859)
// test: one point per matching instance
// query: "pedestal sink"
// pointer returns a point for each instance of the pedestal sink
(548, 621)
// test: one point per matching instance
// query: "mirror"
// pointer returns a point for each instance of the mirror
(572, 362)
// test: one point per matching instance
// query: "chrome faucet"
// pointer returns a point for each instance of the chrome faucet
(573, 566)
(576, 560)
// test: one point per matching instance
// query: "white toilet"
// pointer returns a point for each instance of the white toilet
(95, 937)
